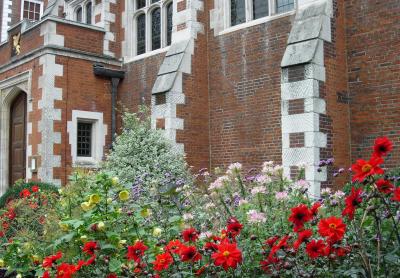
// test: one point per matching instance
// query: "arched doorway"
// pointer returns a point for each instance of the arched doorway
(17, 154)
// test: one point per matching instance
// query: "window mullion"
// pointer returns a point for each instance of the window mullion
(249, 10)
(272, 7)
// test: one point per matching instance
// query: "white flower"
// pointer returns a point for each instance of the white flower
(281, 195)
(301, 184)
(326, 191)
(255, 216)
(209, 205)
(234, 168)
(243, 202)
(268, 167)
(204, 235)
(218, 183)
(263, 179)
(339, 194)
(258, 189)
(187, 216)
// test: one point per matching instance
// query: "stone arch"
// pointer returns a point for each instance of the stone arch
(9, 90)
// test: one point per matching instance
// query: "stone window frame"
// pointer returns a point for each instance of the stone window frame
(249, 15)
(32, 1)
(99, 133)
(147, 10)
(72, 7)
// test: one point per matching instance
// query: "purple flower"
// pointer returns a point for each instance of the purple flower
(341, 170)
(330, 161)
(322, 163)
(335, 174)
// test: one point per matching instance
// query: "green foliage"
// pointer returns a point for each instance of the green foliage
(14, 191)
(143, 157)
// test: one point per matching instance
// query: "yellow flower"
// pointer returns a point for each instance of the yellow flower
(84, 238)
(115, 181)
(94, 199)
(101, 226)
(1, 263)
(86, 206)
(19, 275)
(157, 232)
(145, 212)
(123, 195)
(122, 243)
(36, 258)
(109, 200)
(63, 226)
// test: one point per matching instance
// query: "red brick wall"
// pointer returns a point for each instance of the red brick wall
(29, 41)
(82, 90)
(135, 88)
(373, 43)
(15, 12)
(195, 111)
(245, 93)
(79, 38)
(336, 123)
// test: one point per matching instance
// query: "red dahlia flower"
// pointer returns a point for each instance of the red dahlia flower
(112, 275)
(50, 260)
(174, 246)
(315, 248)
(35, 188)
(66, 270)
(90, 247)
(333, 228)
(227, 256)
(11, 214)
(136, 251)
(384, 186)
(189, 253)
(163, 261)
(281, 244)
(234, 227)
(302, 237)
(25, 193)
(46, 274)
(300, 215)
(201, 270)
(352, 201)
(190, 234)
(363, 169)
(342, 251)
(211, 246)
(271, 241)
(396, 195)
(382, 146)
(315, 207)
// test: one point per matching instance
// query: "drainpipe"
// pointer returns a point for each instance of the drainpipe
(115, 76)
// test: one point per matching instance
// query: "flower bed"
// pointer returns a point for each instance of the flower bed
(227, 225)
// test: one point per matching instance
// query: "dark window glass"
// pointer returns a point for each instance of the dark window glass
(238, 12)
(155, 1)
(84, 140)
(284, 6)
(169, 23)
(161, 98)
(79, 15)
(260, 8)
(89, 13)
(155, 29)
(31, 11)
(141, 34)
(140, 4)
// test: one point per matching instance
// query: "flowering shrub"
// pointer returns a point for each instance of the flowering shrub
(142, 157)
(227, 225)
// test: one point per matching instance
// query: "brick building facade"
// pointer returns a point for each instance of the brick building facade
(239, 80)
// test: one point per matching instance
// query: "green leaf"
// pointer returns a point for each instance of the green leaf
(115, 265)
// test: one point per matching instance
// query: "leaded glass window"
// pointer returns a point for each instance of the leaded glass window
(84, 139)
(31, 10)
(260, 8)
(89, 13)
(141, 34)
(79, 14)
(155, 29)
(169, 23)
(140, 4)
(283, 6)
(238, 12)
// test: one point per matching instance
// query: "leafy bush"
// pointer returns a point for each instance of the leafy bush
(14, 191)
(143, 157)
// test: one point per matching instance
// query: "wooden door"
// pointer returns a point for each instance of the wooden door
(17, 139)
